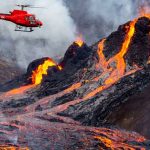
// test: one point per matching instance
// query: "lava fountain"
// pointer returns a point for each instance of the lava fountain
(37, 75)
(79, 41)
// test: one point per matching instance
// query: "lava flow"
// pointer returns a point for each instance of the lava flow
(118, 71)
(42, 69)
(19, 90)
(5, 147)
(37, 77)
(113, 69)
(102, 61)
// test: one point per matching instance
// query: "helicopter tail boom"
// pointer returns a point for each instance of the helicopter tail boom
(5, 17)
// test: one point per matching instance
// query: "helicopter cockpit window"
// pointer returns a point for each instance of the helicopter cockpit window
(31, 19)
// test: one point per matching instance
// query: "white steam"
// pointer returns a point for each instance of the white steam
(98, 18)
(52, 39)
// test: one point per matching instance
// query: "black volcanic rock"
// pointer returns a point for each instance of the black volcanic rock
(75, 55)
(34, 65)
(139, 50)
(134, 115)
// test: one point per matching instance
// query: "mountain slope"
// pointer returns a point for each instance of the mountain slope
(8, 71)
(83, 89)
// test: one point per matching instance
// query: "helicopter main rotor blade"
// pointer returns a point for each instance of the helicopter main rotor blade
(29, 6)
(24, 5)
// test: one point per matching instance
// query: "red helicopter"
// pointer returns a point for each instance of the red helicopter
(24, 21)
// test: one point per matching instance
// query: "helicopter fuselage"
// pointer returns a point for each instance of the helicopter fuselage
(22, 18)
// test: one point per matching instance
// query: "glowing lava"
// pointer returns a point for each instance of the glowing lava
(19, 90)
(102, 61)
(79, 41)
(114, 145)
(120, 67)
(42, 69)
(112, 73)
(37, 77)
(117, 71)
(4, 147)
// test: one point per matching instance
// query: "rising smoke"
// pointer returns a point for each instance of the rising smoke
(98, 18)
(58, 32)
(62, 19)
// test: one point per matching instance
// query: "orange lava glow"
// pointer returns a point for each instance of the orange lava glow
(118, 70)
(37, 75)
(5, 147)
(113, 145)
(19, 90)
(79, 41)
(102, 61)
(108, 139)
(73, 87)
(93, 93)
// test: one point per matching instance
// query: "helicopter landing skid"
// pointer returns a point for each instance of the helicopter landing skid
(23, 29)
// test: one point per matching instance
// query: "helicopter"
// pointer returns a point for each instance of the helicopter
(24, 21)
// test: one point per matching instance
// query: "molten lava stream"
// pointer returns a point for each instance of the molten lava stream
(110, 139)
(102, 60)
(19, 90)
(37, 75)
(115, 73)
(7, 147)
(120, 69)
(51, 98)
(114, 145)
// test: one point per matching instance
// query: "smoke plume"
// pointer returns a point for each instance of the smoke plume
(62, 20)
(98, 18)
(52, 39)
